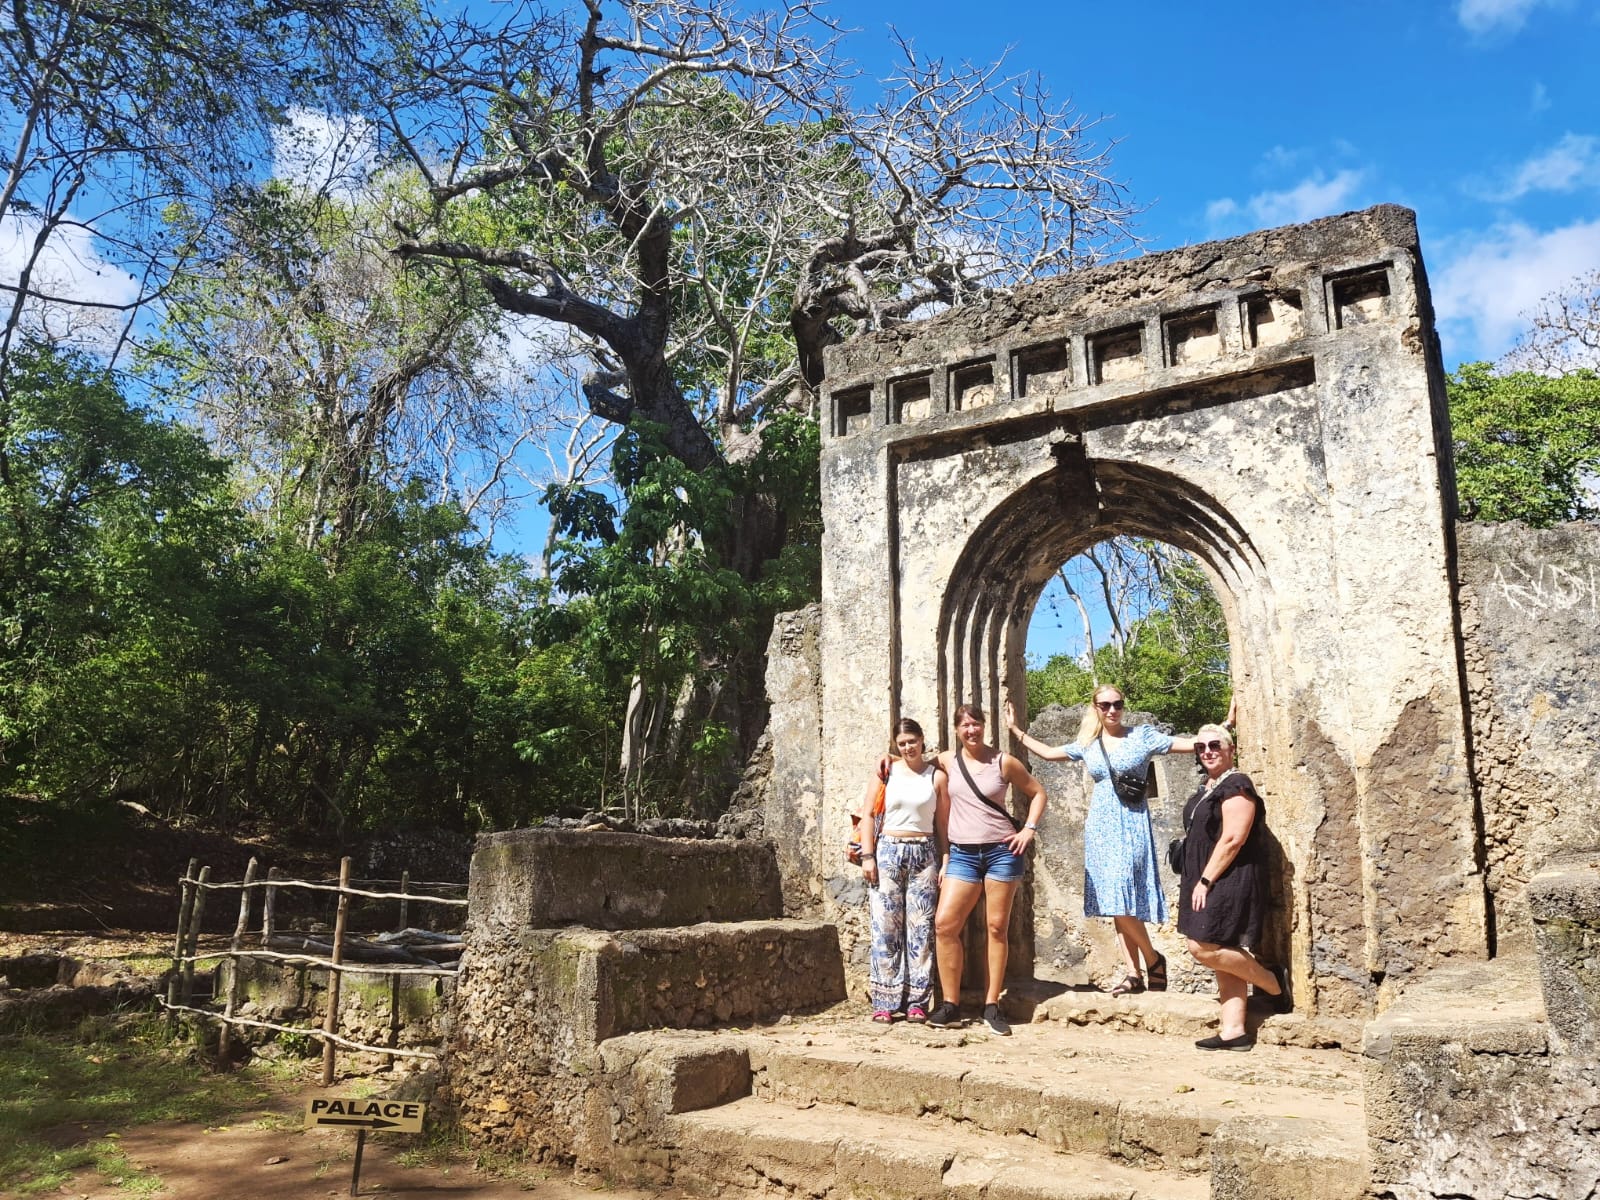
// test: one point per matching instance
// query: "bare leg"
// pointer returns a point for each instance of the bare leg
(1235, 969)
(957, 899)
(1134, 939)
(1231, 989)
(998, 895)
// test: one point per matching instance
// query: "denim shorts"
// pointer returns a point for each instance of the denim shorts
(990, 860)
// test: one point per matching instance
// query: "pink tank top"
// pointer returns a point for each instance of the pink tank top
(971, 820)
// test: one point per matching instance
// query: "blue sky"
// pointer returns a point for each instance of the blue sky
(1482, 115)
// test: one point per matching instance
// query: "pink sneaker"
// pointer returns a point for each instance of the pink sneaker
(916, 1014)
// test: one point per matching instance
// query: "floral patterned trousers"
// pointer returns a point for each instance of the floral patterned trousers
(903, 903)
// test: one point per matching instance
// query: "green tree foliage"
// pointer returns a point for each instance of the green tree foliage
(161, 644)
(114, 545)
(657, 605)
(1527, 446)
(1173, 662)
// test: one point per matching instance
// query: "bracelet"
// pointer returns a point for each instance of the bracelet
(1030, 824)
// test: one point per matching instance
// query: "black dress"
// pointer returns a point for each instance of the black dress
(1237, 898)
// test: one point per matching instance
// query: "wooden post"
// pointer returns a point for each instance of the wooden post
(193, 942)
(226, 1036)
(269, 907)
(330, 1023)
(405, 902)
(185, 908)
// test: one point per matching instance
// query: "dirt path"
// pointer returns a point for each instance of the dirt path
(264, 1155)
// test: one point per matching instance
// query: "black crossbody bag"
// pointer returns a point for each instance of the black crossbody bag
(1130, 788)
(961, 761)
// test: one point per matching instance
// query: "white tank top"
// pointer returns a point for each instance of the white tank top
(909, 800)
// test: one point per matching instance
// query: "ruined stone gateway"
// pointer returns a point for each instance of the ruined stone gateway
(1273, 404)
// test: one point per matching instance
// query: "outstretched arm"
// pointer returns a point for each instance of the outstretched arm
(1034, 745)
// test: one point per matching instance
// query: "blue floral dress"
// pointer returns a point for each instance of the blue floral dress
(1120, 871)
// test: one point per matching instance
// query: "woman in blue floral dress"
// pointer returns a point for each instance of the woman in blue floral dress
(1121, 876)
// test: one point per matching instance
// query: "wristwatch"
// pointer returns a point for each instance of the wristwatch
(1205, 881)
(1031, 825)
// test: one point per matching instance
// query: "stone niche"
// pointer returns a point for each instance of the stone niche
(1273, 404)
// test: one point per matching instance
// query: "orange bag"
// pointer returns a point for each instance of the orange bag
(852, 851)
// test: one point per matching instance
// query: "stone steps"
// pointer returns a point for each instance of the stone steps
(839, 1106)
(834, 1152)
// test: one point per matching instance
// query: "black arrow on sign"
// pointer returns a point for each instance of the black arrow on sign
(363, 1122)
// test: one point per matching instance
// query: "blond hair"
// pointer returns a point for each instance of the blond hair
(1092, 724)
(1206, 732)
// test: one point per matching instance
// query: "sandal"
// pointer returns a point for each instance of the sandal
(883, 1017)
(1156, 974)
(1130, 985)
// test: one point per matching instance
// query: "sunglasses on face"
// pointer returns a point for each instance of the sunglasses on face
(1108, 705)
(1213, 746)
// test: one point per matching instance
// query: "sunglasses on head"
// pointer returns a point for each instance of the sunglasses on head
(1216, 747)
(1108, 705)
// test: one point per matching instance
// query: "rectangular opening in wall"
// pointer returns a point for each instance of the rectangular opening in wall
(1117, 354)
(972, 385)
(1359, 297)
(1270, 319)
(852, 411)
(910, 399)
(1192, 337)
(1046, 368)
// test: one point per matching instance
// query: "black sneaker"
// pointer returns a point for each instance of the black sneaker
(945, 1015)
(994, 1022)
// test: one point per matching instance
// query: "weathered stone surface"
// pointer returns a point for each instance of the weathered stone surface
(1273, 403)
(791, 806)
(524, 1054)
(543, 878)
(1530, 622)
(1565, 903)
(1276, 1158)
(1464, 1099)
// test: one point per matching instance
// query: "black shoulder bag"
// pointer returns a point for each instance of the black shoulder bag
(961, 761)
(1130, 788)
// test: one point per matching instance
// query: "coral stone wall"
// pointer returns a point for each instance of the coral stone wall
(1530, 623)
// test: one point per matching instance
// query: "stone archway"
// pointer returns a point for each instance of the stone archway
(1274, 405)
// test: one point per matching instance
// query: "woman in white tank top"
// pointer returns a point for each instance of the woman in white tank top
(901, 866)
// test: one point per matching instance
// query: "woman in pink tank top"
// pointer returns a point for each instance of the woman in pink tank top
(985, 858)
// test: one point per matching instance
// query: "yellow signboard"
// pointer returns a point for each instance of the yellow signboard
(364, 1112)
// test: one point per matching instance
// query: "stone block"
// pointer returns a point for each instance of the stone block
(1464, 1099)
(546, 878)
(1564, 900)
(1275, 1158)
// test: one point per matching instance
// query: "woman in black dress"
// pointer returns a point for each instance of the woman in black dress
(1222, 895)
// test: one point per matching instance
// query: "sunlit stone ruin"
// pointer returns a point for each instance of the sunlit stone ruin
(1415, 697)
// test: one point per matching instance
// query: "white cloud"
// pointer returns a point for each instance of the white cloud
(1483, 16)
(1540, 99)
(72, 273)
(1572, 163)
(1313, 197)
(1491, 281)
(1316, 196)
(323, 153)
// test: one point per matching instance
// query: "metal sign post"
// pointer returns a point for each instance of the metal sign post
(361, 1114)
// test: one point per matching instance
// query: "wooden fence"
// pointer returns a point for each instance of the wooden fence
(425, 955)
